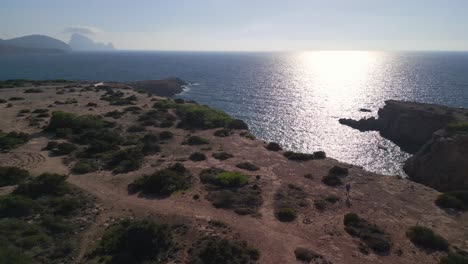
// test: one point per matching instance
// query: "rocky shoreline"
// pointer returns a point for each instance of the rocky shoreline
(435, 134)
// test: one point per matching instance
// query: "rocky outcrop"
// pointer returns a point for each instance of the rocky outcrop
(33, 44)
(408, 124)
(440, 149)
(441, 163)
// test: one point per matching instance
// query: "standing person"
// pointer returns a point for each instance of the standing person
(348, 188)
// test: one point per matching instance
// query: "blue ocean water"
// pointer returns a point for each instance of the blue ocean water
(295, 99)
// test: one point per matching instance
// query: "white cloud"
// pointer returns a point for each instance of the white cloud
(82, 30)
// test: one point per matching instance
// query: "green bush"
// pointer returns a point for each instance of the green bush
(136, 128)
(12, 176)
(16, 206)
(332, 199)
(162, 183)
(202, 117)
(273, 146)
(24, 111)
(290, 155)
(338, 171)
(319, 155)
(459, 127)
(320, 205)
(369, 234)
(222, 133)
(226, 179)
(286, 214)
(222, 155)
(247, 166)
(16, 98)
(136, 241)
(164, 135)
(197, 156)
(114, 114)
(306, 255)
(426, 238)
(33, 90)
(12, 140)
(455, 258)
(215, 250)
(42, 185)
(9, 255)
(64, 148)
(237, 124)
(84, 166)
(446, 200)
(196, 140)
(165, 104)
(126, 160)
(76, 123)
(40, 111)
(332, 180)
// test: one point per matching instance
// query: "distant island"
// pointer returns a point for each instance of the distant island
(44, 44)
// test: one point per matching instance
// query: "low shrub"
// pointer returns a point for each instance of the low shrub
(457, 200)
(91, 105)
(225, 179)
(371, 235)
(290, 197)
(40, 111)
(33, 90)
(64, 148)
(197, 156)
(12, 176)
(222, 133)
(136, 241)
(16, 98)
(165, 135)
(126, 160)
(46, 184)
(290, 155)
(196, 140)
(338, 171)
(136, 128)
(24, 111)
(114, 114)
(201, 117)
(247, 166)
(83, 167)
(12, 140)
(163, 182)
(455, 258)
(286, 214)
(306, 255)
(215, 250)
(319, 155)
(426, 238)
(332, 199)
(16, 206)
(273, 146)
(222, 155)
(458, 127)
(320, 205)
(237, 124)
(332, 180)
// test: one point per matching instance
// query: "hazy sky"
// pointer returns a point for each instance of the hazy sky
(246, 24)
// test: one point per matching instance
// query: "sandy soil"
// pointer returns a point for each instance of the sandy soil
(393, 204)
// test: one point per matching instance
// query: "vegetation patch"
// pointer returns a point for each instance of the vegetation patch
(165, 135)
(247, 166)
(16, 98)
(307, 255)
(222, 155)
(196, 140)
(459, 257)
(231, 190)
(201, 117)
(163, 182)
(222, 133)
(288, 200)
(273, 146)
(457, 128)
(12, 140)
(369, 234)
(136, 241)
(84, 166)
(427, 239)
(48, 236)
(12, 176)
(33, 90)
(61, 148)
(457, 200)
(215, 250)
(290, 155)
(197, 156)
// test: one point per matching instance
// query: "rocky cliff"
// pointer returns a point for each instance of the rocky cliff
(436, 135)
(441, 163)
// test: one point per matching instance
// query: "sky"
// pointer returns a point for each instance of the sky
(246, 25)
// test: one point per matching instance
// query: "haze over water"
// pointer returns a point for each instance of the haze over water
(294, 99)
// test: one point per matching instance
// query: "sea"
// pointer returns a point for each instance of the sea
(293, 98)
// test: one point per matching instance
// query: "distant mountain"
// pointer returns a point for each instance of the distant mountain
(79, 42)
(33, 44)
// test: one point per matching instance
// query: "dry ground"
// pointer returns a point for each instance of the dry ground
(391, 203)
